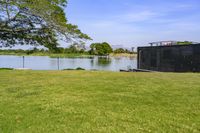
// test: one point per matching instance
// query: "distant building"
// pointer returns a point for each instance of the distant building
(163, 43)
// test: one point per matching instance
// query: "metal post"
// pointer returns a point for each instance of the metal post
(58, 63)
(139, 59)
(23, 61)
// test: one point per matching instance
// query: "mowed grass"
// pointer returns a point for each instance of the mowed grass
(98, 102)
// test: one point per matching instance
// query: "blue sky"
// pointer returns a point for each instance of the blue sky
(136, 22)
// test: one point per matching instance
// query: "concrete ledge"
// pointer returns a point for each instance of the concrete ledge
(137, 70)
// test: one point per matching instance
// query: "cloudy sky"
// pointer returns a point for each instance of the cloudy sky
(136, 22)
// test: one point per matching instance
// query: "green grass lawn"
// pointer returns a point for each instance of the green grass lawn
(98, 102)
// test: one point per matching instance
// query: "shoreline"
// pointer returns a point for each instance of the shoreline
(124, 55)
(69, 55)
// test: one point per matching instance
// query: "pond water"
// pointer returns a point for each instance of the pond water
(47, 63)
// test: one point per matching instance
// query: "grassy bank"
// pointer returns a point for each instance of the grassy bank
(73, 55)
(82, 101)
(124, 55)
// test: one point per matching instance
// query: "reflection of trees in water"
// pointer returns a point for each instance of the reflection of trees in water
(104, 61)
(133, 58)
(117, 58)
(92, 62)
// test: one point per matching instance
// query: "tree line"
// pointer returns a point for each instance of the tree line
(101, 49)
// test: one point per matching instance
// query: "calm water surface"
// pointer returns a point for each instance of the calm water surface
(47, 63)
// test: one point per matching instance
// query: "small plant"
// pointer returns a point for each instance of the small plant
(79, 68)
(68, 69)
(6, 68)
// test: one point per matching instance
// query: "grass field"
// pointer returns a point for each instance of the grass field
(98, 102)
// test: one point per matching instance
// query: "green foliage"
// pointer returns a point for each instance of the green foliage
(76, 48)
(119, 50)
(34, 50)
(58, 52)
(6, 69)
(184, 43)
(100, 48)
(22, 52)
(71, 55)
(71, 49)
(35, 22)
(78, 68)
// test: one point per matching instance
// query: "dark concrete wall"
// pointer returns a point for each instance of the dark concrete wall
(177, 58)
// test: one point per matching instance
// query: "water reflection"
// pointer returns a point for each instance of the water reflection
(104, 61)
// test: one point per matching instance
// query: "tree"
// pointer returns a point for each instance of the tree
(100, 48)
(119, 51)
(184, 43)
(80, 46)
(76, 48)
(35, 22)
(57, 50)
(72, 49)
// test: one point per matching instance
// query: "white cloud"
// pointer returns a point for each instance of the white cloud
(139, 16)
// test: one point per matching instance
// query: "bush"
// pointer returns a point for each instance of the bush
(79, 68)
(6, 68)
(184, 43)
(119, 51)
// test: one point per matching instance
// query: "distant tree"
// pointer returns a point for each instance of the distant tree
(184, 43)
(72, 49)
(35, 50)
(119, 50)
(127, 51)
(42, 50)
(93, 49)
(100, 48)
(57, 50)
(80, 46)
(76, 48)
(35, 22)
